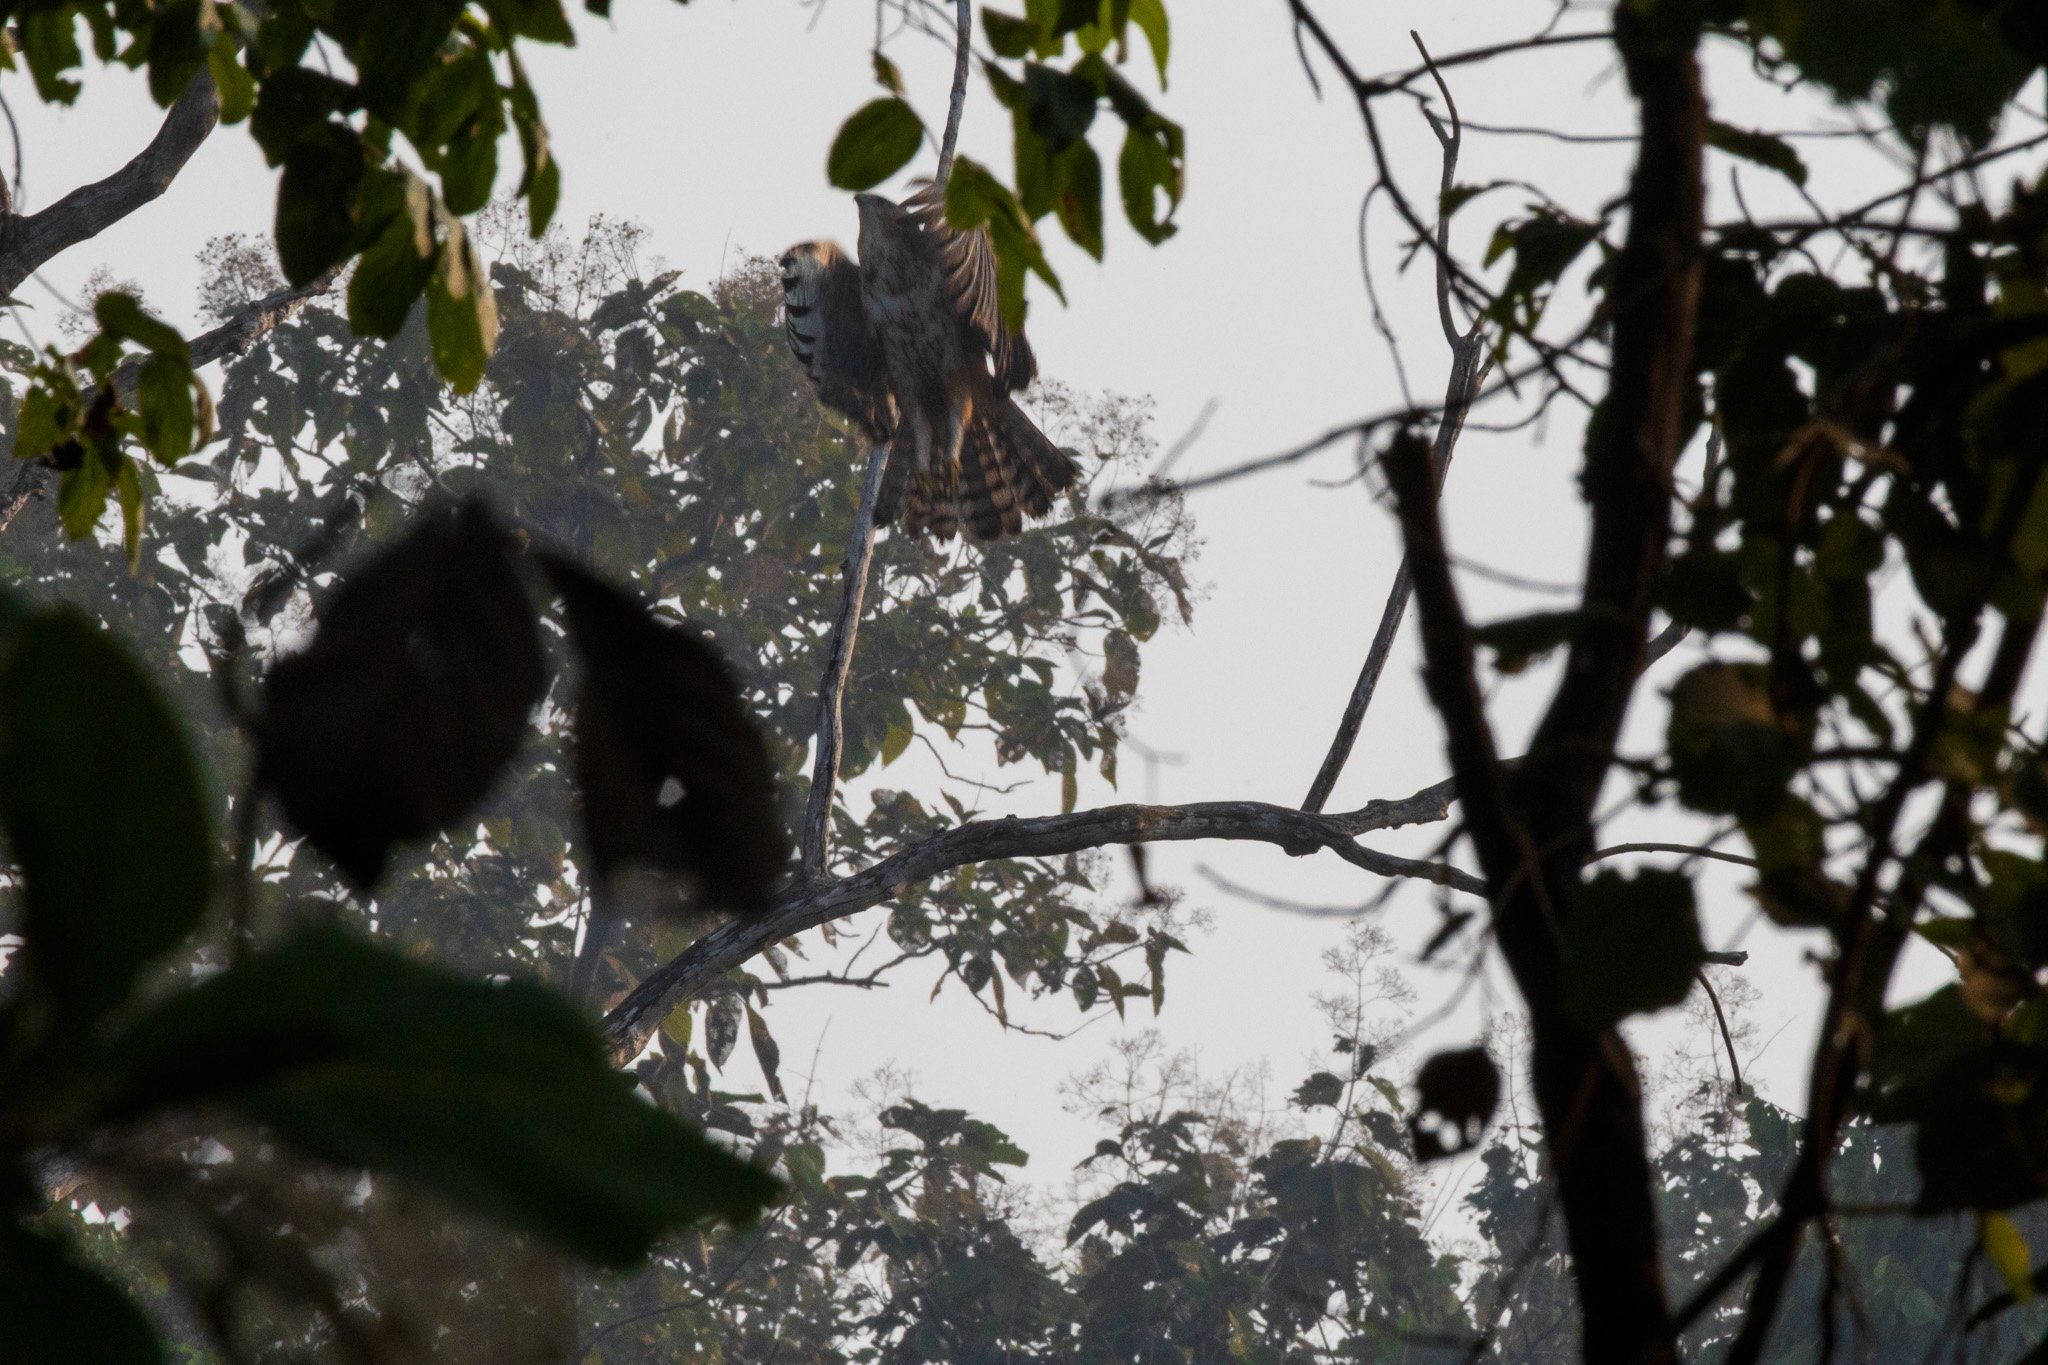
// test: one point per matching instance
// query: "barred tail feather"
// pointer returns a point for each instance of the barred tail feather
(1038, 469)
(989, 490)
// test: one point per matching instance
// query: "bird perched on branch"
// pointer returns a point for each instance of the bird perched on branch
(910, 344)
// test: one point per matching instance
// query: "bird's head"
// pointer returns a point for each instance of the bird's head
(880, 216)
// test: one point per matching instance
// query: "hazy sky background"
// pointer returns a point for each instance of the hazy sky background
(709, 125)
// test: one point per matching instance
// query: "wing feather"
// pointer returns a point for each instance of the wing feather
(825, 316)
(969, 260)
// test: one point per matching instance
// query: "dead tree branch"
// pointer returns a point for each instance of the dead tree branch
(1470, 362)
(860, 552)
(810, 903)
(26, 243)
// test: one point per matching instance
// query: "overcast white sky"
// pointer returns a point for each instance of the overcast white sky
(709, 125)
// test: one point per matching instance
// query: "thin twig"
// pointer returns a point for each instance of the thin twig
(860, 550)
(1470, 361)
(958, 100)
(1720, 1019)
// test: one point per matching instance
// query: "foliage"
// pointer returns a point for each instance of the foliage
(498, 1096)
(438, 86)
(663, 437)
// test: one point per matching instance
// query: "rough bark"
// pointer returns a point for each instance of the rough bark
(28, 241)
(630, 1026)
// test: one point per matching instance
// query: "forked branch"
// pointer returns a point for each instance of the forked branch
(808, 904)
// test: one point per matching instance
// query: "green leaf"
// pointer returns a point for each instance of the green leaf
(975, 197)
(1010, 36)
(1520, 640)
(541, 183)
(128, 488)
(1079, 198)
(462, 313)
(2005, 1246)
(1765, 149)
(1728, 750)
(391, 275)
(316, 201)
(1150, 17)
(122, 317)
(541, 20)
(1631, 946)
(237, 87)
(104, 811)
(896, 738)
(497, 1096)
(55, 1310)
(163, 402)
(872, 145)
(886, 74)
(1145, 168)
(82, 492)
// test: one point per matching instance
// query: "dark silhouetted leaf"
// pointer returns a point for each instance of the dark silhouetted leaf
(674, 773)
(411, 698)
(872, 145)
(104, 810)
(56, 1311)
(316, 201)
(498, 1096)
(767, 1052)
(1459, 1090)
(394, 270)
(1322, 1088)
(1631, 945)
(1727, 748)
(1521, 639)
(722, 1026)
(1765, 149)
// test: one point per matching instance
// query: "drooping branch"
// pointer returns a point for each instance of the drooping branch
(811, 903)
(27, 242)
(860, 546)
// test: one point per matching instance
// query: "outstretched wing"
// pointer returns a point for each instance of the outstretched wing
(969, 260)
(825, 315)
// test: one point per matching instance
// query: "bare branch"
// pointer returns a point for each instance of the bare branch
(26, 243)
(807, 905)
(1470, 362)
(860, 550)
(962, 54)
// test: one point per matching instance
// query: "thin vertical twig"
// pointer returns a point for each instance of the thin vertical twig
(958, 100)
(1471, 359)
(860, 548)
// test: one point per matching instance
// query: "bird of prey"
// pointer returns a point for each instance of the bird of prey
(910, 344)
